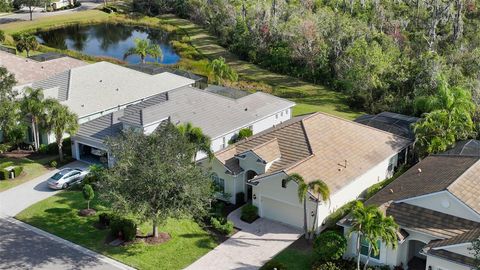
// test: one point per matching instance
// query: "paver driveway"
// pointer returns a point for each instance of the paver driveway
(249, 248)
(25, 247)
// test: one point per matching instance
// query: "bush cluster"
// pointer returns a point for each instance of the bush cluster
(124, 227)
(249, 213)
(222, 225)
(52, 148)
(4, 174)
(344, 265)
(330, 246)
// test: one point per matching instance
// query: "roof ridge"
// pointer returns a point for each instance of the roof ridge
(263, 144)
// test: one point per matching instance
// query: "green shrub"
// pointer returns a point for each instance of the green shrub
(334, 217)
(5, 147)
(88, 194)
(330, 246)
(104, 219)
(53, 164)
(6, 164)
(18, 170)
(222, 225)
(4, 174)
(249, 213)
(42, 149)
(327, 266)
(125, 227)
(272, 265)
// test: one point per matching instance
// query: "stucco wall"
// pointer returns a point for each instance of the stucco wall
(445, 202)
(463, 249)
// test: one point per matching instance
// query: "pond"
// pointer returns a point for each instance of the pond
(110, 40)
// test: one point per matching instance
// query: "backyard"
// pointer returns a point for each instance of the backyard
(59, 215)
(196, 47)
(32, 168)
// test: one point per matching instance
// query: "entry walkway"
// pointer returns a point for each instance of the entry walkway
(249, 248)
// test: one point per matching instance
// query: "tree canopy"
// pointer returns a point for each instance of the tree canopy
(154, 177)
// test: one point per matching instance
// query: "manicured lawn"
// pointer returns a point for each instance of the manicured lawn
(58, 215)
(295, 259)
(32, 168)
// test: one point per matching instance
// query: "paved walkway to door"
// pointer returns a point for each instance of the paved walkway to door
(249, 248)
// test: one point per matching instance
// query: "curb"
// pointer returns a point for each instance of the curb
(57, 239)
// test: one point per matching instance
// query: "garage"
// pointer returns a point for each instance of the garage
(281, 212)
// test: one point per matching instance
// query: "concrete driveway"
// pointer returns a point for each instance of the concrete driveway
(25, 247)
(249, 248)
(14, 200)
(24, 14)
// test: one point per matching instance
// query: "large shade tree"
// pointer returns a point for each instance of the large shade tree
(144, 48)
(196, 136)
(60, 121)
(33, 106)
(448, 117)
(154, 177)
(8, 106)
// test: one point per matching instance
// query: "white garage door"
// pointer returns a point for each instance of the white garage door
(282, 212)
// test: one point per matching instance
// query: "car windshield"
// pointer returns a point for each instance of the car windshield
(60, 174)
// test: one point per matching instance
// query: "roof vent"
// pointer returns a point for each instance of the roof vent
(101, 80)
(83, 105)
(246, 109)
(116, 89)
(391, 191)
(419, 170)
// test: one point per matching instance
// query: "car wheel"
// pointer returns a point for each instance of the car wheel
(65, 186)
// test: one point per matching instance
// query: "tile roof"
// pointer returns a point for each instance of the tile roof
(269, 151)
(466, 237)
(429, 221)
(316, 146)
(55, 86)
(28, 70)
(133, 113)
(100, 128)
(454, 257)
(433, 174)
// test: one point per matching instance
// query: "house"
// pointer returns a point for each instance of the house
(95, 90)
(437, 206)
(348, 156)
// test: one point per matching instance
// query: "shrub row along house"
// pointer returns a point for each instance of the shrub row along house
(349, 157)
(437, 206)
(109, 98)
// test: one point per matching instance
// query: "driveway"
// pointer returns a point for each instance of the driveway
(249, 248)
(24, 14)
(25, 247)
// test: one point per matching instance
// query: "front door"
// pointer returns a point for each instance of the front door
(249, 193)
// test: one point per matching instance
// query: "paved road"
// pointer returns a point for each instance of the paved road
(25, 247)
(249, 248)
(24, 15)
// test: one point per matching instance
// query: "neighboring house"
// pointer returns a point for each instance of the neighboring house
(219, 117)
(61, 3)
(99, 89)
(348, 156)
(437, 206)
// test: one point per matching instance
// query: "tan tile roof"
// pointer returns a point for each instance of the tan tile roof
(466, 237)
(316, 146)
(467, 187)
(268, 151)
(454, 257)
(28, 70)
(457, 174)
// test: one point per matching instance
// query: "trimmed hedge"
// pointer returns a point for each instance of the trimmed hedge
(330, 246)
(18, 170)
(222, 225)
(5, 175)
(249, 213)
(125, 227)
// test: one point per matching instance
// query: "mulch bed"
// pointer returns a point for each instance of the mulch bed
(20, 154)
(162, 238)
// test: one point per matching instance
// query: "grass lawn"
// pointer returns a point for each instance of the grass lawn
(295, 258)
(58, 215)
(32, 168)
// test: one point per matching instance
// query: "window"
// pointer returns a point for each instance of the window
(284, 183)
(364, 249)
(218, 183)
(281, 113)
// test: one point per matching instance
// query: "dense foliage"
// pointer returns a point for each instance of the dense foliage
(330, 246)
(383, 54)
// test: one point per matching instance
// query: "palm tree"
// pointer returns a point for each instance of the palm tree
(143, 48)
(222, 71)
(25, 42)
(302, 193)
(33, 105)
(196, 136)
(60, 120)
(323, 194)
(384, 229)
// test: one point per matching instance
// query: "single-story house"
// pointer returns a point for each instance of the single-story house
(219, 117)
(348, 156)
(437, 206)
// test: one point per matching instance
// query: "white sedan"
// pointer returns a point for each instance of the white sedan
(65, 178)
